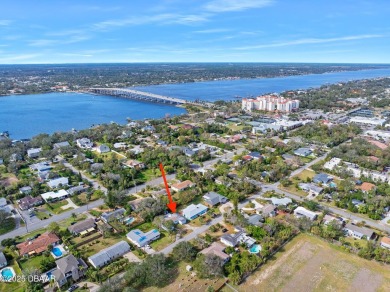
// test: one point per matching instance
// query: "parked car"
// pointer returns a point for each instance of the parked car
(73, 287)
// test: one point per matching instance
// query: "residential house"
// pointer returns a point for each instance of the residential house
(255, 155)
(55, 196)
(30, 202)
(280, 201)
(366, 187)
(162, 143)
(103, 148)
(188, 152)
(77, 189)
(303, 212)
(359, 232)
(109, 254)
(217, 249)
(61, 145)
(213, 198)
(176, 218)
(120, 145)
(141, 239)
(385, 242)
(3, 260)
(110, 216)
(331, 164)
(194, 211)
(3, 202)
(303, 152)
(329, 218)
(84, 143)
(322, 178)
(83, 227)
(255, 219)
(38, 245)
(148, 128)
(290, 159)
(25, 190)
(69, 268)
(58, 182)
(269, 211)
(134, 164)
(41, 166)
(34, 152)
(312, 189)
(15, 157)
(181, 186)
(237, 238)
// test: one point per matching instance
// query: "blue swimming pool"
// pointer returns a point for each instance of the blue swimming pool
(7, 274)
(129, 220)
(255, 248)
(57, 251)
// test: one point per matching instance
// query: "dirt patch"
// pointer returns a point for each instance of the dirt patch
(8, 181)
(366, 281)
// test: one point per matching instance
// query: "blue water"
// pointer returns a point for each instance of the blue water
(129, 220)
(228, 89)
(7, 274)
(27, 115)
(57, 251)
(255, 248)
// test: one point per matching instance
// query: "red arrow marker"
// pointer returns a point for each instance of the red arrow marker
(171, 205)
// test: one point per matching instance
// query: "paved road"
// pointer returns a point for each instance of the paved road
(55, 218)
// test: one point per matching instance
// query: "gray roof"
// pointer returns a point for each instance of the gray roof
(82, 226)
(282, 201)
(303, 151)
(142, 238)
(108, 216)
(214, 198)
(67, 263)
(255, 219)
(360, 230)
(61, 144)
(110, 253)
(76, 189)
(3, 202)
(234, 239)
(322, 178)
(3, 260)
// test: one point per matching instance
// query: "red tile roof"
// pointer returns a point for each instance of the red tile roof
(37, 245)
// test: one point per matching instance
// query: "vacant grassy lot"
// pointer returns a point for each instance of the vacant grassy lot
(310, 264)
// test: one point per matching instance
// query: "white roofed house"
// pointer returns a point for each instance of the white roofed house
(58, 182)
(359, 232)
(55, 196)
(303, 212)
(140, 238)
(103, 148)
(194, 211)
(84, 143)
(34, 152)
(109, 254)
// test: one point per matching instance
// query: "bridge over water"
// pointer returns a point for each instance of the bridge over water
(138, 95)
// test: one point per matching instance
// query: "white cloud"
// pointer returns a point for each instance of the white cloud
(308, 41)
(5, 22)
(8, 59)
(235, 5)
(167, 18)
(54, 42)
(212, 30)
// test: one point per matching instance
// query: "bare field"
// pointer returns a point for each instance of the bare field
(310, 264)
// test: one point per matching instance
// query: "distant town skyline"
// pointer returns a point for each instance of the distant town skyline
(94, 31)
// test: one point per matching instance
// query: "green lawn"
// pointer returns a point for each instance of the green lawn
(32, 262)
(149, 174)
(303, 175)
(13, 286)
(164, 240)
(144, 227)
(83, 198)
(7, 225)
(55, 207)
(42, 215)
(97, 245)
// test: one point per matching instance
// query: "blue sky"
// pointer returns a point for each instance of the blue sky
(84, 31)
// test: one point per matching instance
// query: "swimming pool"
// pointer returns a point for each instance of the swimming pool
(7, 274)
(129, 220)
(57, 251)
(256, 248)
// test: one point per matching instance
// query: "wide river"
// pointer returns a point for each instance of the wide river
(27, 115)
